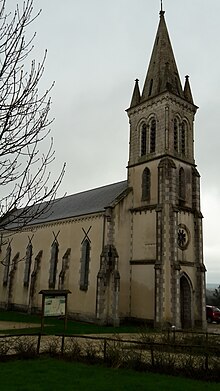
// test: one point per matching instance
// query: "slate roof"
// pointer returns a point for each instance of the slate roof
(84, 203)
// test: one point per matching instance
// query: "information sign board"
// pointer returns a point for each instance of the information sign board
(54, 305)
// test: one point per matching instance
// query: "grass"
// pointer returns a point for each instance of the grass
(56, 326)
(52, 374)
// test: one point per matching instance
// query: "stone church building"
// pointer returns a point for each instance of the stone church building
(132, 249)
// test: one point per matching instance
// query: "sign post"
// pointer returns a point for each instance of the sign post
(54, 304)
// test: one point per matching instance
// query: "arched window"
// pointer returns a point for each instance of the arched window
(27, 268)
(65, 267)
(182, 185)
(53, 264)
(152, 135)
(176, 135)
(143, 140)
(84, 272)
(183, 136)
(146, 184)
(6, 263)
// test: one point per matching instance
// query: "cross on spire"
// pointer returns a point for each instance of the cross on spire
(162, 12)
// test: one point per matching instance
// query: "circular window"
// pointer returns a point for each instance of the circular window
(183, 237)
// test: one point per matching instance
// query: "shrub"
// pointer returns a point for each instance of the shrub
(73, 349)
(52, 346)
(25, 347)
(4, 348)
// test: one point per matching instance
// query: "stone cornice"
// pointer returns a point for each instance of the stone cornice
(143, 262)
(165, 97)
(159, 207)
(143, 208)
(59, 222)
(186, 263)
(144, 160)
(195, 212)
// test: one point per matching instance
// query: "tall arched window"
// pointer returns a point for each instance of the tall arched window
(53, 264)
(183, 137)
(182, 185)
(176, 134)
(27, 268)
(143, 140)
(152, 135)
(84, 272)
(6, 263)
(146, 184)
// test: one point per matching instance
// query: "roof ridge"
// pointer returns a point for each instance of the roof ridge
(88, 190)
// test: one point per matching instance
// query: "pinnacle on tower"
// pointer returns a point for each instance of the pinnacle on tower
(135, 100)
(187, 90)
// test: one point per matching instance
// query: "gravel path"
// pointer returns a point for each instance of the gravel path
(16, 325)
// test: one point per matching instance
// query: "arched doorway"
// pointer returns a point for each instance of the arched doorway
(185, 302)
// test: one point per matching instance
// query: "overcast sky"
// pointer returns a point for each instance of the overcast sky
(96, 49)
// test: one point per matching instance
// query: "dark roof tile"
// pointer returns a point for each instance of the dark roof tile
(84, 203)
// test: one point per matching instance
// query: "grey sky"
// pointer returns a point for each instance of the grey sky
(96, 49)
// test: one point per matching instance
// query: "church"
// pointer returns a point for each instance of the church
(131, 250)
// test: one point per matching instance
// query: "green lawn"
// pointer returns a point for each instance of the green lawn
(51, 374)
(56, 326)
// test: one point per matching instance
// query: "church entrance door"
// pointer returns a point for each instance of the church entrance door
(185, 302)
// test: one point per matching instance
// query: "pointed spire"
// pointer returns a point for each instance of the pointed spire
(135, 100)
(187, 90)
(162, 74)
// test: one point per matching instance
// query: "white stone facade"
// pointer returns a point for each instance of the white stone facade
(137, 255)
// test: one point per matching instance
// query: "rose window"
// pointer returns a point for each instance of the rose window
(182, 237)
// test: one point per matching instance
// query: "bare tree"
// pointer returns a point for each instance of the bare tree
(24, 125)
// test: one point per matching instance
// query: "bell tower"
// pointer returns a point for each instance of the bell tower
(166, 190)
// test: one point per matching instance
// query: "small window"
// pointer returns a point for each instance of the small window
(146, 184)
(53, 264)
(84, 272)
(143, 140)
(152, 135)
(27, 268)
(7, 265)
